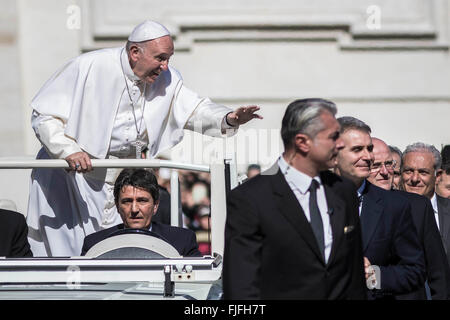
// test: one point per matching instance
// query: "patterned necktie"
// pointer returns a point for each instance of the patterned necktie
(360, 199)
(316, 218)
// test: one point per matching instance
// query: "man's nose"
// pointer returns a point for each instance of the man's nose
(367, 156)
(383, 170)
(165, 65)
(134, 206)
(339, 144)
(415, 177)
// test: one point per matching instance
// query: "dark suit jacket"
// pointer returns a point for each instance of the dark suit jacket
(390, 241)
(13, 235)
(181, 239)
(444, 222)
(271, 251)
(437, 268)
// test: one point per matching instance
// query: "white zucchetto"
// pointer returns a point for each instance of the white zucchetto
(148, 30)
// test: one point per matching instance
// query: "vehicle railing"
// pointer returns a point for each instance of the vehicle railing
(102, 163)
(87, 270)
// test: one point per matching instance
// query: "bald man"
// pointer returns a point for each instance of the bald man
(382, 169)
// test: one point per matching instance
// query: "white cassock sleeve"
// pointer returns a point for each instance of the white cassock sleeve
(50, 132)
(208, 117)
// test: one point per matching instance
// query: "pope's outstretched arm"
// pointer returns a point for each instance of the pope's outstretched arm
(243, 115)
(214, 119)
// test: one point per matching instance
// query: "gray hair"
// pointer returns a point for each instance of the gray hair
(351, 123)
(138, 44)
(396, 150)
(425, 147)
(303, 116)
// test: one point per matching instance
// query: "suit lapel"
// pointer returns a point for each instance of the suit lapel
(289, 207)
(372, 209)
(336, 209)
(444, 217)
(441, 218)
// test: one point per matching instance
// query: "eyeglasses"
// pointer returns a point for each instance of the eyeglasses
(389, 165)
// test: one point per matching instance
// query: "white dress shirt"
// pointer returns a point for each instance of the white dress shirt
(435, 209)
(299, 184)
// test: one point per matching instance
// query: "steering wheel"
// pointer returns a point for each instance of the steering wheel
(132, 243)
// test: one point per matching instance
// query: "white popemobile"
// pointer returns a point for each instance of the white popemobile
(126, 266)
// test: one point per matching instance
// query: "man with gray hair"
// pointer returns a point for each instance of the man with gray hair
(437, 269)
(397, 157)
(293, 232)
(109, 103)
(421, 163)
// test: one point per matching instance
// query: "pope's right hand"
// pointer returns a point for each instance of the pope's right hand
(79, 161)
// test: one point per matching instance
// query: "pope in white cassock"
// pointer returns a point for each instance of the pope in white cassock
(106, 104)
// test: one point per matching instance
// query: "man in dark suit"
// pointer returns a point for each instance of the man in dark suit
(293, 232)
(136, 195)
(13, 235)
(437, 269)
(443, 202)
(443, 210)
(436, 263)
(421, 163)
(390, 241)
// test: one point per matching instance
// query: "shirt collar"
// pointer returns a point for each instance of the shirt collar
(126, 66)
(434, 203)
(300, 180)
(149, 228)
(361, 188)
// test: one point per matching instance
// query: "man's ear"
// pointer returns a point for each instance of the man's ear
(301, 142)
(134, 52)
(155, 207)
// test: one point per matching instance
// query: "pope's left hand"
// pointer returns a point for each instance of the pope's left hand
(243, 115)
